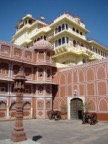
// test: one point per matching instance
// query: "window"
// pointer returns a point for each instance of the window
(30, 22)
(74, 43)
(48, 56)
(48, 73)
(66, 26)
(16, 69)
(48, 89)
(4, 68)
(81, 33)
(63, 40)
(84, 61)
(77, 31)
(2, 105)
(44, 37)
(56, 30)
(48, 105)
(40, 72)
(67, 39)
(59, 41)
(27, 71)
(38, 39)
(40, 105)
(27, 91)
(2, 89)
(59, 29)
(62, 26)
(40, 89)
(82, 44)
(73, 29)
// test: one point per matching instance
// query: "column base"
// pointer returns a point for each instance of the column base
(18, 136)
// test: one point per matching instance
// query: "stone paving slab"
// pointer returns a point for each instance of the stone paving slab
(8, 141)
(59, 132)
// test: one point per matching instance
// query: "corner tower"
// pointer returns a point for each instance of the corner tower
(43, 50)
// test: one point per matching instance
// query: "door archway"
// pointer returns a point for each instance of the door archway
(76, 108)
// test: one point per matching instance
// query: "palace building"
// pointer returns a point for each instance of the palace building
(67, 34)
(62, 68)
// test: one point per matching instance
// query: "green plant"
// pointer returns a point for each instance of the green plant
(63, 109)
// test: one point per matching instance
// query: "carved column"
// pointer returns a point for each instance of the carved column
(18, 133)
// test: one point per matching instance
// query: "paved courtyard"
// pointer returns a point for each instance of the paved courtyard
(59, 132)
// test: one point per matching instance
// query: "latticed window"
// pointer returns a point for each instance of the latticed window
(40, 105)
(26, 105)
(48, 104)
(2, 105)
(4, 67)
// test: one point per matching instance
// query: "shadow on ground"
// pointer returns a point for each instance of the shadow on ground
(35, 138)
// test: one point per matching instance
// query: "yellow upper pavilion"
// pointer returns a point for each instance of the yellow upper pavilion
(66, 33)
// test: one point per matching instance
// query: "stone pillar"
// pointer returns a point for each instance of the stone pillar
(18, 133)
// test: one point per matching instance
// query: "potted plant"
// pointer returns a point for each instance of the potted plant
(63, 111)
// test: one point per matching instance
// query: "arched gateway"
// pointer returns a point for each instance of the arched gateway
(76, 108)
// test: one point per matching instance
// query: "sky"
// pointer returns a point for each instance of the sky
(94, 13)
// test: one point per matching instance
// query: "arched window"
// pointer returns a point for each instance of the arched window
(73, 29)
(74, 43)
(44, 37)
(63, 27)
(81, 33)
(38, 39)
(59, 41)
(59, 29)
(30, 21)
(77, 31)
(66, 26)
(63, 40)
(26, 105)
(40, 72)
